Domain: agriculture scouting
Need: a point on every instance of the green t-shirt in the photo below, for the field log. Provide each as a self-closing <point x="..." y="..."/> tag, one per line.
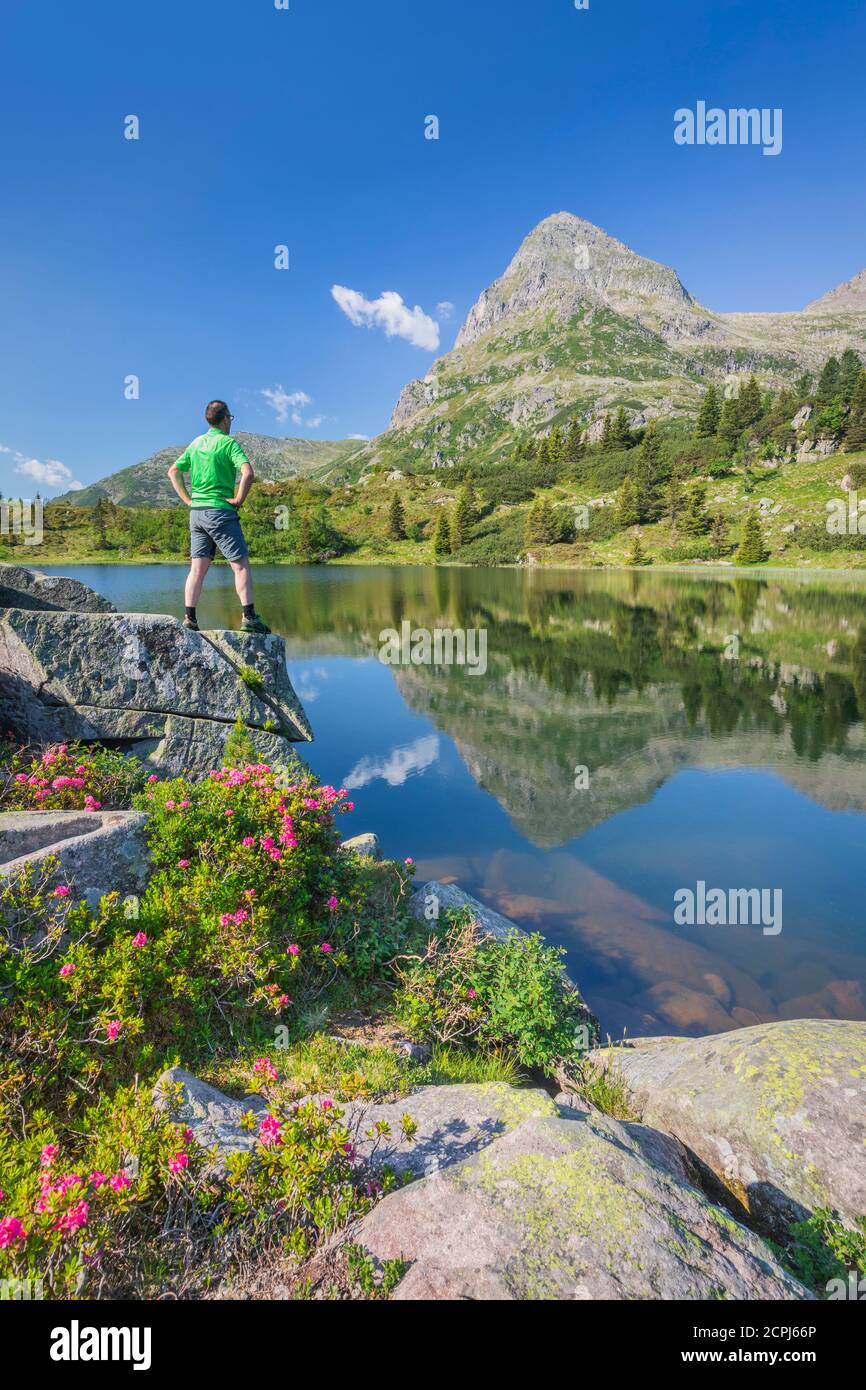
<point x="212" y="462"/>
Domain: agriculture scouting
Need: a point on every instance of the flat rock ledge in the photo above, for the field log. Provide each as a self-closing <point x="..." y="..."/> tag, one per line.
<point x="96" y="852"/>
<point x="777" y="1112"/>
<point x="73" y="668"/>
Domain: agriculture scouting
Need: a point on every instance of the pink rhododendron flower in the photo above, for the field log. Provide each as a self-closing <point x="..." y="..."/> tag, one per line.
<point x="183" y="863"/>
<point x="113" y="1029"/>
<point x="74" y="1219"/>
<point x="91" y="805"/>
<point x="269" y="1130"/>
<point x="332" y="902"/>
<point x="11" y="1229"/>
<point x="266" y="1066"/>
<point x="153" y="777"/>
<point x="248" y="841"/>
<point x="140" y="939"/>
<point x="293" y="950"/>
<point x="118" y="1181"/>
<point x="471" y="994"/>
<point x="62" y="891"/>
<point x="178" y="1162"/>
<point x="67" y="969"/>
<point x="410" y="862"/>
<point x="48" y="1154"/>
<point x="327" y="1105"/>
<point x="282" y="999"/>
<point x="169" y="805"/>
<point x="325" y="948"/>
<point x="98" y="1178"/>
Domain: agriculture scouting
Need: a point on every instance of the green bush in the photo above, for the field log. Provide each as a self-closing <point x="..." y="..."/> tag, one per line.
<point x="500" y="994"/>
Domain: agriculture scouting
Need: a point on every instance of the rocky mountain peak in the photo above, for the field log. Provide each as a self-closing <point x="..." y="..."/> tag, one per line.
<point x="567" y="262"/>
<point x="847" y="298"/>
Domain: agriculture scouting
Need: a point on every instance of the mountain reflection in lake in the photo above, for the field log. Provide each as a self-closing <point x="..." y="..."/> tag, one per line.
<point x="742" y="773"/>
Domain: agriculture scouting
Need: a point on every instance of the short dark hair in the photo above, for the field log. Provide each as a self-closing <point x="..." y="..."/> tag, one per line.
<point x="217" y="413"/>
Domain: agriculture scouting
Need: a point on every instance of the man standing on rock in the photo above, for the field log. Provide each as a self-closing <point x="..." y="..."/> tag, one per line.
<point x="213" y="462"/>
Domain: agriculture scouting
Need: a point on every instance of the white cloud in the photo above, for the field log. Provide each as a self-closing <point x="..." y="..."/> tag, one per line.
<point x="409" y="760"/>
<point x="289" y="406"/>
<point x="48" y="473"/>
<point x="445" y="310"/>
<point x="365" y="437"/>
<point x="389" y="312"/>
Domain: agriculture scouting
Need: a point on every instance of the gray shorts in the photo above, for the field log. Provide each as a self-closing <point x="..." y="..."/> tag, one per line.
<point x="216" y="527"/>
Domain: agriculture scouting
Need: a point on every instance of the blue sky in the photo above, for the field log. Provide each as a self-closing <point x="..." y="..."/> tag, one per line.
<point x="305" y="127"/>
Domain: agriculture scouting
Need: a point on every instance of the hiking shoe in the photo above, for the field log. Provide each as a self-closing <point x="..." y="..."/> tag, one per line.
<point x="191" y="625"/>
<point x="255" y="624"/>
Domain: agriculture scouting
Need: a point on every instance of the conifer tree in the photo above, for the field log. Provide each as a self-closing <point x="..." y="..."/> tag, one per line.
<point x="646" y="475"/>
<point x="606" y="442"/>
<point x="542" y="452"/>
<point x="541" y="524"/>
<point x="442" y="536"/>
<point x="556" y="446"/>
<point x="465" y="516"/>
<point x="752" y="549"/>
<point x="396" y="518"/>
<point x="709" y="413"/>
<point x="719" y="535"/>
<point x="636" y="554"/>
<point x="695" y="519"/>
<point x="574" y="445"/>
<point x="749" y="404"/>
<point x="828" y="384"/>
<point x="850" y="367"/>
<point x="627" y="513"/>
<point x="729" y="422"/>
<point x="620" y="430"/>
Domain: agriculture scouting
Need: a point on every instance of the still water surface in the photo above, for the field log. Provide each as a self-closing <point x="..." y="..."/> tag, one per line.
<point x="741" y="773"/>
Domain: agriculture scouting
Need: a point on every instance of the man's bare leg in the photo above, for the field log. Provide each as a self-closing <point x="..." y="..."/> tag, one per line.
<point x="243" y="581"/>
<point x="194" y="581"/>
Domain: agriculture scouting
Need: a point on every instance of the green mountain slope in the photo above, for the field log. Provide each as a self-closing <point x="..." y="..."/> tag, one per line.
<point x="145" y="484"/>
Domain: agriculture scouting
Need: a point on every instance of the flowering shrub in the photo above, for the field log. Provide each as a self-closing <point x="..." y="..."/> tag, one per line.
<point x="250" y="914"/>
<point x="137" y="1204"/>
<point x="504" y="994"/>
<point x="303" y="1173"/>
<point x="250" y="917"/>
<point x="68" y="777"/>
<point x="77" y="1213"/>
<point x="251" y="854"/>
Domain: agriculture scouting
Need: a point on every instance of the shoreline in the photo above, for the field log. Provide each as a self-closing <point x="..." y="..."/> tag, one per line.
<point x="713" y="571"/>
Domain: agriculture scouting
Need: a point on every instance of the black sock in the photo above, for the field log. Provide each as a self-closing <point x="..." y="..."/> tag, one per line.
<point x="249" y="610"/>
<point x="190" y="613"/>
